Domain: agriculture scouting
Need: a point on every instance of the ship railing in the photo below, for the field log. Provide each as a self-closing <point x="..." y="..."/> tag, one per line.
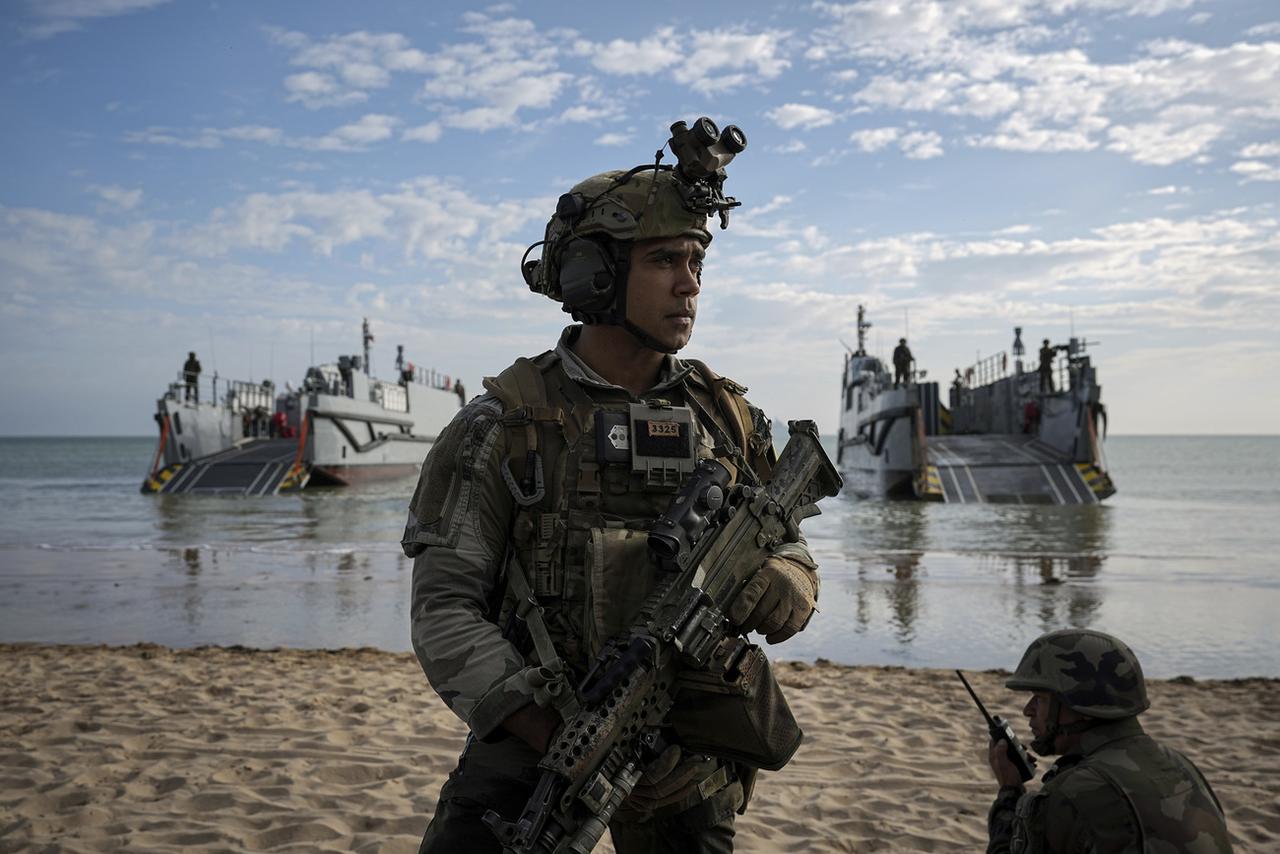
<point x="235" y="395"/>
<point x="429" y="377"/>
<point x="986" y="371"/>
<point x="205" y="389"/>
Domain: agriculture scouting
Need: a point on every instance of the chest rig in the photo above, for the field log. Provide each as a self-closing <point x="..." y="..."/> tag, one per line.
<point x="589" y="471"/>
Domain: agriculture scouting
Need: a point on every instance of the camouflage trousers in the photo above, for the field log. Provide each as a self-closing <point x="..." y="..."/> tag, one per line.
<point x="502" y="775"/>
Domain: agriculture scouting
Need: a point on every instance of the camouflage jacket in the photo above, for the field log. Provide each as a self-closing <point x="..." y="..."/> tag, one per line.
<point x="1121" y="792"/>
<point x="459" y="528"/>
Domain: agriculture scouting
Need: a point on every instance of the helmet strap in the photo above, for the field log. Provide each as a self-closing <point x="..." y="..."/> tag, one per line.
<point x="1044" y="744"/>
<point x="645" y="338"/>
<point x="616" y="314"/>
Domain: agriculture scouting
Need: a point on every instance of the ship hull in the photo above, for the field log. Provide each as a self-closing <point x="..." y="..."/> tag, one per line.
<point x="356" y="475"/>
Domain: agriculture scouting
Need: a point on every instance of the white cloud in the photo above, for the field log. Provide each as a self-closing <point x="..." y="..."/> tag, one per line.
<point x="915" y="144"/>
<point x="707" y="61"/>
<point x="356" y="136"/>
<point x="1261" y="149"/>
<point x="1271" y="28"/>
<point x="481" y="84"/>
<point x="315" y="90"/>
<point x="613" y="139"/>
<point x="1163" y="142"/>
<point x="1019" y="133"/>
<point x="647" y="56"/>
<point x="430" y="132"/>
<point x="1256" y="170"/>
<point x="985" y="60"/>
<point x="424" y="218"/>
<point x="748" y="57"/>
<point x="874" y="139"/>
<point x="806" y="116"/>
<point x="346" y="67"/>
<point x="51" y="17"/>
<point x="588" y="113"/>
<point x="157" y="135"/>
<point x="921" y="145"/>
<point x="118" y="197"/>
<point x="1168" y="190"/>
<point x="794" y="146"/>
<point x="254" y="133"/>
<point x="369" y="129"/>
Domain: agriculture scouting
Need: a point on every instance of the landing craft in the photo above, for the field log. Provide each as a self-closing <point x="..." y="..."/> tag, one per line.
<point x="1004" y="435"/>
<point x="341" y="426"/>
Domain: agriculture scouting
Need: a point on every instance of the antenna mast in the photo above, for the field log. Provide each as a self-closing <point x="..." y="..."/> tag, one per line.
<point x="368" y="339"/>
<point x="863" y="326"/>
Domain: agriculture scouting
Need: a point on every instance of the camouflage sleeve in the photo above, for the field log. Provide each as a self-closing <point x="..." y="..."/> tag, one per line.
<point x="1000" y="819"/>
<point x="456" y="533"/>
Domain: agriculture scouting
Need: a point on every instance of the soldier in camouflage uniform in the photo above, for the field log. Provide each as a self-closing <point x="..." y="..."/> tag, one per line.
<point x="1114" y="788"/>
<point x="533" y="486"/>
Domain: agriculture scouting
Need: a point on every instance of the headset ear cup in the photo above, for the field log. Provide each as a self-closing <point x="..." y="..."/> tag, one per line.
<point x="530" y="273"/>
<point x="587" y="276"/>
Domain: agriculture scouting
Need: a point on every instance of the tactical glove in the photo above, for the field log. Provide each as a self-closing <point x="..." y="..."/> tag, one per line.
<point x="778" y="600"/>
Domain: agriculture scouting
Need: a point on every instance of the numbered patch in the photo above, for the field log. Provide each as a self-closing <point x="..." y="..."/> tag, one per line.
<point x="664" y="428"/>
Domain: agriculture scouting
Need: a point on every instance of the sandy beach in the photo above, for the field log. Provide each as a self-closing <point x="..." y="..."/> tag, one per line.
<point x="145" y="748"/>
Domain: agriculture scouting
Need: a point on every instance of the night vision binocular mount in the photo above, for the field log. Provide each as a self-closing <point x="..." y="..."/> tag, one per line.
<point x="701" y="153"/>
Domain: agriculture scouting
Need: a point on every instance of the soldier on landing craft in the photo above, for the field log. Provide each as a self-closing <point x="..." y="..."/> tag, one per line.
<point x="902" y="360"/>
<point x="1114" y="788"/>
<point x="191" y="377"/>
<point x="1047" y="353"/>
<point x="549" y="482"/>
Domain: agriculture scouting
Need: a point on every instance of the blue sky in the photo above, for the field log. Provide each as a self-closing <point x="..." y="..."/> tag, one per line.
<point x="244" y="178"/>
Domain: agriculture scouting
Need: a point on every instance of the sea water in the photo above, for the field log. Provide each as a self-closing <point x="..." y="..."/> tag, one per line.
<point x="1183" y="563"/>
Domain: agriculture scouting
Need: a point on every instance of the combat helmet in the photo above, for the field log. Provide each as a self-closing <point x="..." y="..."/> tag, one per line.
<point x="1092" y="672"/>
<point x="587" y="243"/>
<point x="1087" y="671"/>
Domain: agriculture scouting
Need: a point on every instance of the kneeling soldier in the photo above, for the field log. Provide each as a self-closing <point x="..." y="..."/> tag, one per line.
<point x="1114" y="788"/>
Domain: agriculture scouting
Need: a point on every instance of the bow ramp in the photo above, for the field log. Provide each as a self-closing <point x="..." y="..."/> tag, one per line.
<point x="254" y="467"/>
<point x="1008" y="469"/>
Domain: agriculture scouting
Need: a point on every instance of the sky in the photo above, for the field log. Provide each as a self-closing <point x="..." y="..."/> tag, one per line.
<point x="250" y="180"/>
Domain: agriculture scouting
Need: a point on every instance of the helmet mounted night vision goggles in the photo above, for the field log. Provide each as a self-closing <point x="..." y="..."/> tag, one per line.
<point x="586" y="249"/>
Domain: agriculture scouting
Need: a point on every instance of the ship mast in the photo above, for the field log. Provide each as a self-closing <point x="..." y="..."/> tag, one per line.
<point x="863" y="326"/>
<point x="368" y="339"/>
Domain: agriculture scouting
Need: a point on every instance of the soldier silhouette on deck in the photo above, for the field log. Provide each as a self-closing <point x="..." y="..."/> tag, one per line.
<point x="1047" y="353"/>
<point x="191" y="375"/>
<point x="902" y="360"/>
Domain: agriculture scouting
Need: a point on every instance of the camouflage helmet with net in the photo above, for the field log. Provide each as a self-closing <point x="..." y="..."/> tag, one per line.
<point x="615" y="209"/>
<point x="1093" y="673"/>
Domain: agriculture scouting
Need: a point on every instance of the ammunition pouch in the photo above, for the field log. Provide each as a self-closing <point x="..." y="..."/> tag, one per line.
<point x="741" y="716"/>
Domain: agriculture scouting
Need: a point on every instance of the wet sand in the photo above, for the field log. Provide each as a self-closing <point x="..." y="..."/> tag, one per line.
<point x="148" y="748"/>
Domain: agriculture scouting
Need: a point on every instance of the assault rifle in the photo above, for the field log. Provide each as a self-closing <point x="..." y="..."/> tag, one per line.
<point x="711" y="540"/>
<point x="1000" y="730"/>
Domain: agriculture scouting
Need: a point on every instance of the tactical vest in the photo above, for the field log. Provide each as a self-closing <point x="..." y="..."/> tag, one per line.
<point x="585" y="495"/>
<point x="1174" y="807"/>
<point x="1170" y="805"/>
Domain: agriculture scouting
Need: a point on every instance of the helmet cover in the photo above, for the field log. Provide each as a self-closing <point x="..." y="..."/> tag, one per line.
<point x="1093" y="673"/>
<point x="615" y="206"/>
